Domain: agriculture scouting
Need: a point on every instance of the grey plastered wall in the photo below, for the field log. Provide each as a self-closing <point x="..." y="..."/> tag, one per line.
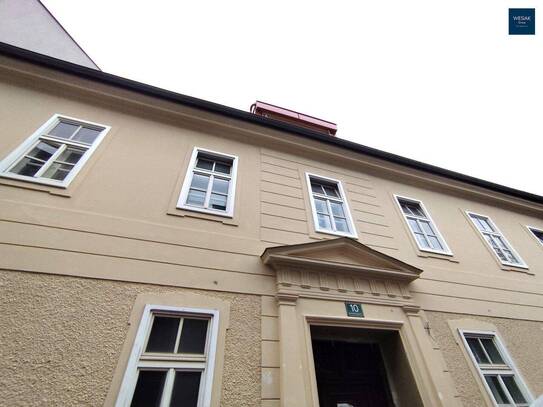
<point x="62" y="337"/>
<point x="522" y="339"/>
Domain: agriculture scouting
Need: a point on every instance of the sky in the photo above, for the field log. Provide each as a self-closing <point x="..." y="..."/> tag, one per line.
<point x="437" y="81"/>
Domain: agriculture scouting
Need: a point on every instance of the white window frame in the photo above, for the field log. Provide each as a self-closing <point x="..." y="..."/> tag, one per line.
<point x="497" y="231"/>
<point x="508" y="369"/>
<point x="533" y="231"/>
<point x="230" y="200"/>
<point x="343" y="196"/>
<point x="26" y="146"/>
<point x="446" y="250"/>
<point x="128" y="384"/>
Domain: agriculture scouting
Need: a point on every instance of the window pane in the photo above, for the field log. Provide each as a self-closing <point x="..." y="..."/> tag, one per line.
<point x="427" y="228"/>
<point x="222" y="167"/>
<point x="324" y="221"/>
<point x="86" y="135"/>
<point x="71" y="155"/>
<point x="204" y="164"/>
<point x="514" y="391"/>
<point x="422" y="241"/>
<point x="538" y="234"/>
<point x="63" y="130"/>
<point x="196" y="198"/>
<point x="57" y="171"/>
<point x="483" y="224"/>
<point x="337" y="209"/>
<point x="435" y="243"/>
<point x="220" y="186"/>
<point x="185" y="389"/>
<point x="193" y="336"/>
<point x="477" y="351"/>
<point x="411" y="208"/>
<point x="510" y="257"/>
<point x="316" y="187"/>
<point x="492" y="351"/>
<point x="163" y="335"/>
<point x="331" y="190"/>
<point x="414" y="225"/>
<point x="496" y="389"/>
<point x="200" y="181"/>
<point x="341" y="225"/>
<point x="149" y="387"/>
<point x="218" y="202"/>
<point x="43" y="151"/>
<point x="321" y="206"/>
<point x="27" y="166"/>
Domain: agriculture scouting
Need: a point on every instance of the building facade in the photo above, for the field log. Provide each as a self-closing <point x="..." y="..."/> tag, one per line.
<point x="162" y="250"/>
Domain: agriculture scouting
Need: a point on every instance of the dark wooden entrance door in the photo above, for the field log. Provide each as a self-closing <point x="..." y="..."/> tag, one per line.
<point x="350" y="373"/>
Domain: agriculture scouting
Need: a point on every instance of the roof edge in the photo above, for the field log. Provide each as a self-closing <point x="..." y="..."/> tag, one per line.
<point x="200" y="104"/>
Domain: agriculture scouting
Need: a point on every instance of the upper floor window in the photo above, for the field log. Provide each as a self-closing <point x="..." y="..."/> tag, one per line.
<point x="538" y="233"/>
<point x="330" y="210"/>
<point x="55" y="153"/>
<point x="210" y="183"/>
<point x="172" y="359"/>
<point x="496" y="369"/>
<point x="422" y="226"/>
<point x="496" y="241"/>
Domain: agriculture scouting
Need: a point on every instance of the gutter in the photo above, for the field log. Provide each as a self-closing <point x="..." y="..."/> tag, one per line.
<point x="200" y="104"/>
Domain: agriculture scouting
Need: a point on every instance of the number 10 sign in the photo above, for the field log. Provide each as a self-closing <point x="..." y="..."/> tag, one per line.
<point x="354" y="309"/>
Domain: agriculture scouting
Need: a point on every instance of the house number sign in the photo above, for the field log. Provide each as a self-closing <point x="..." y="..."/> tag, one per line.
<point x="354" y="309"/>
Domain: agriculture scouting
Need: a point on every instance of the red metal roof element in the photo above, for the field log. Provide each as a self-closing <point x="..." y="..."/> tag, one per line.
<point x="290" y="116"/>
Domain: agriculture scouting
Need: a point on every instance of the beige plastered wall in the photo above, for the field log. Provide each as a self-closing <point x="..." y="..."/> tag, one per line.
<point x="62" y="337"/>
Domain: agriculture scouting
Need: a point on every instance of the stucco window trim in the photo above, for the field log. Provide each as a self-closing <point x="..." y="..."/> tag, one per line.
<point x="40" y="134"/>
<point x="231" y="198"/>
<point x="446" y="250"/>
<point x="129" y="380"/>
<point x="351" y="225"/>
<point x="505" y="355"/>
<point x="533" y="230"/>
<point x="521" y="266"/>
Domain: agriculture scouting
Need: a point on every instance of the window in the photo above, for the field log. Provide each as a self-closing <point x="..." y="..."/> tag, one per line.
<point x="496" y="241"/>
<point x="422" y="226"/>
<point x="496" y="369"/>
<point x="330" y="210"/>
<point x="172" y="359"/>
<point x="538" y="233"/>
<point x="55" y="153"/>
<point x="210" y="183"/>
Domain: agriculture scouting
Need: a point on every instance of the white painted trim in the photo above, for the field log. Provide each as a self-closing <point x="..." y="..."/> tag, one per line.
<point x="230" y="200"/>
<point x="447" y="250"/>
<point x="532" y="229"/>
<point x="12" y="158"/>
<point x="505" y="355"/>
<point x="128" y="383"/>
<point x="348" y="215"/>
<point x="522" y="263"/>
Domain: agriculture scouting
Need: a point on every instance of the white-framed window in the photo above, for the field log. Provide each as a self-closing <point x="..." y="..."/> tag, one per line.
<point x="538" y="233"/>
<point x="172" y="359"/>
<point x="329" y="206"/>
<point x="422" y="226"/>
<point x="55" y="153"/>
<point x="496" y="368"/>
<point x="210" y="183"/>
<point x="496" y="240"/>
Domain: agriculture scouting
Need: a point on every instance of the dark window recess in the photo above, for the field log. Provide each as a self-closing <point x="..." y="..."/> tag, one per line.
<point x="193" y="336"/>
<point x="148" y="388"/>
<point x="163" y="335"/>
<point x="185" y="389"/>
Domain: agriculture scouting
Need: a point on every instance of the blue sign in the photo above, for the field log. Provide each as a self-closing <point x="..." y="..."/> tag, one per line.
<point x="354" y="309"/>
<point x="522" y="21"/>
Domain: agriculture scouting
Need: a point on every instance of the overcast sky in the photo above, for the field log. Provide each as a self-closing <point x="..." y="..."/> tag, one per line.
<point x="437" y="81"/>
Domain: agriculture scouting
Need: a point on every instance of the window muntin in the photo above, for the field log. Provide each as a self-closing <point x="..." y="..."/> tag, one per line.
<point x="330" y="209"/>
<point x="496" y="369"/>
<point x="422" y="226"/>
<point x="172" y="359"/>
<point x="538" y="234"/>
<point x="496" y="241"/>
<point x="54" y="153"/>
<point x="210" y="183"/>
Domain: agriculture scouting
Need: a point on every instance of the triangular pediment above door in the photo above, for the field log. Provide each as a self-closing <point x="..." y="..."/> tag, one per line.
<point x="337" y="256"/>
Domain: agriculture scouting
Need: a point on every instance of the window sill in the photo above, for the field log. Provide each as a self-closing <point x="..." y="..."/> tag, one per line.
<point x="192" y="213"/>
<point x="437" y="255"/>
<point x="329" y="232"/>
<point x="35" y="185"/>
<point x="518" y="269"/>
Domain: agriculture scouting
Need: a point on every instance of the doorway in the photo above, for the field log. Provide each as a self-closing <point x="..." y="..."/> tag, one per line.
<point x="361" y="368"/>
